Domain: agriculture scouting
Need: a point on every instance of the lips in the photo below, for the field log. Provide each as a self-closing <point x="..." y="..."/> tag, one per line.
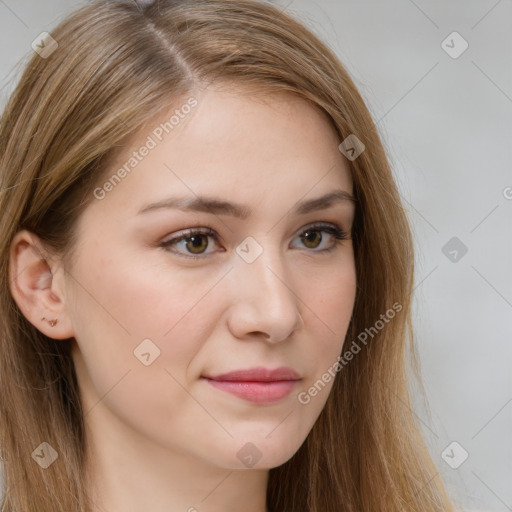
<point x="259" y="374"/>
<point x="259" y="385"/>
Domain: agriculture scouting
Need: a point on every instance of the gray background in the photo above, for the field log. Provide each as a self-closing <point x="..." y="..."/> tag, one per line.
<point x="447" y="124"/>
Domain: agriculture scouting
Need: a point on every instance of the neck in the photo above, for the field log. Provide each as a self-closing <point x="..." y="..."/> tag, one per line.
<point x="143" y="475"/>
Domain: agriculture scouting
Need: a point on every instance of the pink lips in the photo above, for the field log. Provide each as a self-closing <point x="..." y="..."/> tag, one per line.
<point x="259" y="385"/>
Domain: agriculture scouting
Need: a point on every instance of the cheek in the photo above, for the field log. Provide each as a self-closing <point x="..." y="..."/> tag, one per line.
<point x="333" y="309"/>
<point x="335" y="297"/>
<point x="120" y="309"/>
<point x="146" y="299"/>
<point x="175" y="310"/>
<point x="336" y="303"/>
<point x="329" y="312"/>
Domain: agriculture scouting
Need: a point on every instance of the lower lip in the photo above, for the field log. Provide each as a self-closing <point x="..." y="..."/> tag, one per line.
<point x="258" y="392"/>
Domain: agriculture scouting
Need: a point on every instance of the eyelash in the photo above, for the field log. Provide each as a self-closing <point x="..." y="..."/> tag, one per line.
<point x="333" y="229"/>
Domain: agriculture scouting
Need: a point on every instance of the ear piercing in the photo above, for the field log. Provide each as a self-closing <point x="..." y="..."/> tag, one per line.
<point x="52" y="322"/>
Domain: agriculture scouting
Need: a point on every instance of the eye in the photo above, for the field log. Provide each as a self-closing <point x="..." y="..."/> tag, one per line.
<point x="194" y="242"/>
<point x="312" y="236"/>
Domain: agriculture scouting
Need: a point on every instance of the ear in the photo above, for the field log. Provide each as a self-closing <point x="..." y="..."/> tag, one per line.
<point x="36" y="282"/>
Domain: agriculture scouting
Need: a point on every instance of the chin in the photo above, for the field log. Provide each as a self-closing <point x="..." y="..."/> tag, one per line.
<point x="260" y="452"/>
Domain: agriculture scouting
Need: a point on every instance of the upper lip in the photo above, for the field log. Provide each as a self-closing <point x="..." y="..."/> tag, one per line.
<point x="259" y="374"/>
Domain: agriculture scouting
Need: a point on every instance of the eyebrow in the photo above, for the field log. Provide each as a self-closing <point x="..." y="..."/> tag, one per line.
<point x="220" y="207"/>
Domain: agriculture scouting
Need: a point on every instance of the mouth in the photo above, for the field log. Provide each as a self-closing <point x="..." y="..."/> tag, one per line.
<point x="258" y="385"/>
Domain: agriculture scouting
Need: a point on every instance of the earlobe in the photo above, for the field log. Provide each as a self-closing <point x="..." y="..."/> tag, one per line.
<point x="34" y="286"/>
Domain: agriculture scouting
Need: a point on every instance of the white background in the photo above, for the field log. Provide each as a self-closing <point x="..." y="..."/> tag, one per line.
<point x="447" y="125"/>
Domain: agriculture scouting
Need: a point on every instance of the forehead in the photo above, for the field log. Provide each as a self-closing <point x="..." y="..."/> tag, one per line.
<point x="231" y="142"/>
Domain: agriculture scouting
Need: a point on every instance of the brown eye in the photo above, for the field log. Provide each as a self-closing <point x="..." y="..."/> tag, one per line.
<point x="191" y="244"/>
<point x="311" y="238"/>
<point x="196" y="244"/>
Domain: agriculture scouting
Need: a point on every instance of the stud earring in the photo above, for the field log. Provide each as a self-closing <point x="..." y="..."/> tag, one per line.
<point x="52" y="322"/>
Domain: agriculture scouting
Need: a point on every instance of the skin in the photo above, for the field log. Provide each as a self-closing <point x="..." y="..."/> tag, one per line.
<point x="160" y="436"/>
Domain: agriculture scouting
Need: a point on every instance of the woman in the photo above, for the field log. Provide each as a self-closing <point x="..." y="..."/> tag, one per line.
<point x="207" y="274"/>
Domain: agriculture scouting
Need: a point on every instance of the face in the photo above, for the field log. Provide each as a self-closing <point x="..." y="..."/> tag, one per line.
<point x="165" y="301"/>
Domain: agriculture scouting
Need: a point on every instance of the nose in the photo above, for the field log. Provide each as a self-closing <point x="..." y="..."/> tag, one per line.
<point x="264" y="302"/>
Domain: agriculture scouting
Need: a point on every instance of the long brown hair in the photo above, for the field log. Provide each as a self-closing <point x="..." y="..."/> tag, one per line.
<point x="117" y="64"/>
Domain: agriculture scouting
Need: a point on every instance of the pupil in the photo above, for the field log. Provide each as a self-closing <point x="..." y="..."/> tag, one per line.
<point x="196" y="241"/>
<point x="311" y="235"/>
